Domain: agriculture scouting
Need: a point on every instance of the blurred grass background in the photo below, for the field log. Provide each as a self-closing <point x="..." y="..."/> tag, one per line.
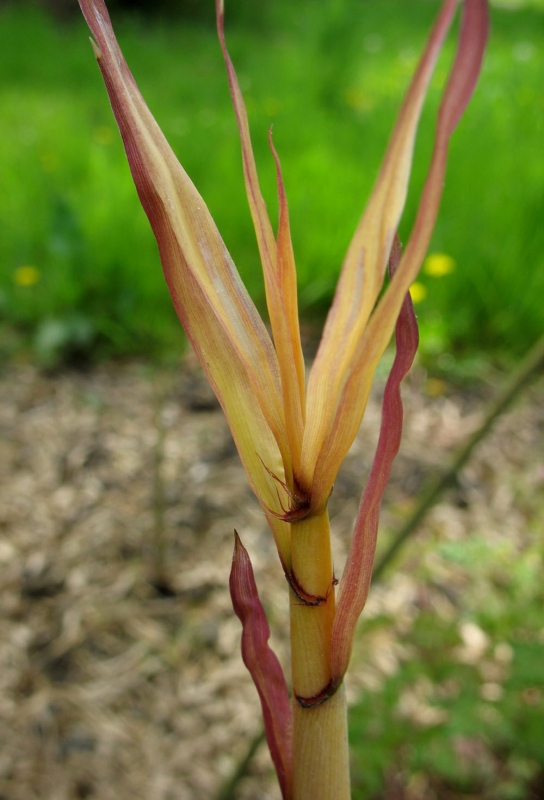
<point x="79" y="272"/>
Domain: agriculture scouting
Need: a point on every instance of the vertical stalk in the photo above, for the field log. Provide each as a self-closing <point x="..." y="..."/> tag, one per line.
<point x="320" y="740"/>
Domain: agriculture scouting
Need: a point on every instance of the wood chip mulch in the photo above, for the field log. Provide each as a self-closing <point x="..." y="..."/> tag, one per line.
<point x="120" y="671"/>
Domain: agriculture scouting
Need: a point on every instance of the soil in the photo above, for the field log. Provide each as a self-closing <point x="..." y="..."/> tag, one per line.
<point x="120" y="670"/>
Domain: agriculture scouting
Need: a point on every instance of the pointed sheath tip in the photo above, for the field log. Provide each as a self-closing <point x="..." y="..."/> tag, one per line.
<point x="96" y="50"/>
<point x="263" y="665"/>
<point x="240" y="556"/>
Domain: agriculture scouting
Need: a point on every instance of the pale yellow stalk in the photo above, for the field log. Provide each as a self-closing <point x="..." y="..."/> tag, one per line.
<point x="320" y="739"/>
<point x="320" y="751"/>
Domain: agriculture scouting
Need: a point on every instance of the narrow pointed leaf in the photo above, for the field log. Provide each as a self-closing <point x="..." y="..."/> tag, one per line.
<point x="355" y="583"/>
<point x="287" y="332"/>
<point x="263" y="665"/>
<point x="218" y="315"/>
<point x="263" y="229"/>
<point x="364" y="266"/>
<point x="335" y="431"/>
<point x="278" y="268"/>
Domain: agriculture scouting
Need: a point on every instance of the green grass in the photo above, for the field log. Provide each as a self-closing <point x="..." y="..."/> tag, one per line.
<point x="331" y="84"/>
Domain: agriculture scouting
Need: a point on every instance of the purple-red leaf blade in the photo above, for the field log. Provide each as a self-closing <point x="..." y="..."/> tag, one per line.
<point x="355" y="582"/>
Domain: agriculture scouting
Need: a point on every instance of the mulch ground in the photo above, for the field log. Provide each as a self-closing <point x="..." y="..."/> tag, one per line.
<point x="120" y="672"/>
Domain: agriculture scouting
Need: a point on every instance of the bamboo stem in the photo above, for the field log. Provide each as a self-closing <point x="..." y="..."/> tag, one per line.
<point x="320" y="740"/>
<point x="320" y="751"/>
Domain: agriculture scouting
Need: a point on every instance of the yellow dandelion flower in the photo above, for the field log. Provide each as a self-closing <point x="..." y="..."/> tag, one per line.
<point x="418" y="292"/>
<point x="438" y="264"/>
<point x="26" y="276"/>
